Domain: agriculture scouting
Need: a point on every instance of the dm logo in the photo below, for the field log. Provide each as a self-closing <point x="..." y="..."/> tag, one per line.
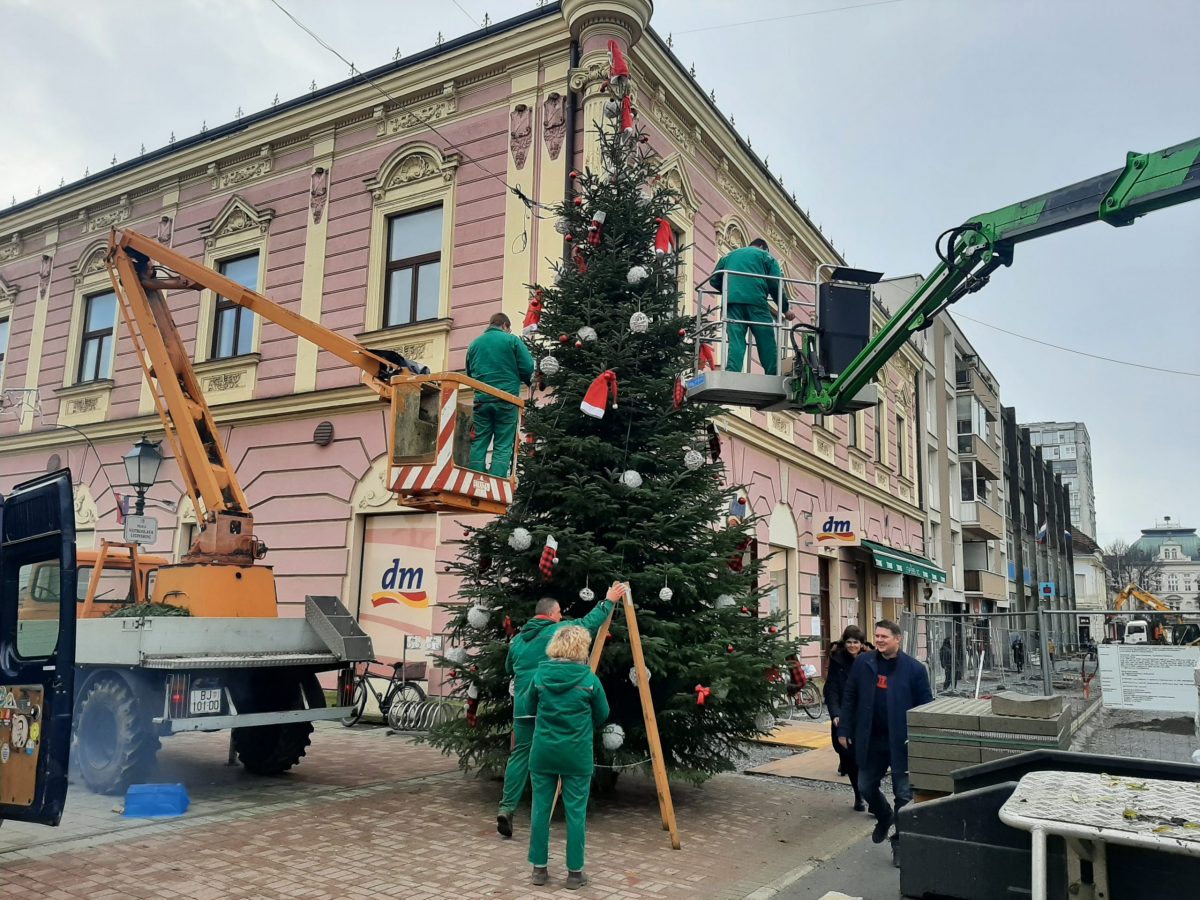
<point x="835" y="529"/>
<point x="402" y="585"/>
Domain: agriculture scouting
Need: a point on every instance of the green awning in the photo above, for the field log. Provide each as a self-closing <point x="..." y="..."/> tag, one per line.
<point x="892" y="560"/>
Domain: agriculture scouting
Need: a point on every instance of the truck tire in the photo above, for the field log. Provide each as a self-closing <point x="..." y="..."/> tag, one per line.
<point x="273" y="749"/>
<point x="114" y="744"/>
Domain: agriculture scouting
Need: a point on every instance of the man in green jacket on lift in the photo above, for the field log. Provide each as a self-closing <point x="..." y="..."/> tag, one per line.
<point x="501" y="360"/>
<point x="748" y="301"/>
<point x="526" y="653"/>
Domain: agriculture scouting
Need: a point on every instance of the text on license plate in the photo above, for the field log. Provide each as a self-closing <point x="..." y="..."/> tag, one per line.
<point x="205" y="700"/>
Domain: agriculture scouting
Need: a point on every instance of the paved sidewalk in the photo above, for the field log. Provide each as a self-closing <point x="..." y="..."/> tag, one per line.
<point x="372" y="815"/>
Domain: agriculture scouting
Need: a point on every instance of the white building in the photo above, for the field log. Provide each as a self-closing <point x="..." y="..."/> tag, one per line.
<point x="1068" y="448"/>
<point x="1091" y="584"/>
<point x="1176" y="551"/>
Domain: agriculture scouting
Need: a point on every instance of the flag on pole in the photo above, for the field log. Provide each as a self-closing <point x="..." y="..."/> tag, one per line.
<point x="1043" y="533"/>
<point x="122" y="507"/>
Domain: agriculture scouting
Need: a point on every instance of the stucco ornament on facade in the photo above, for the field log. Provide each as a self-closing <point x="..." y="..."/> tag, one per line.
<point x="166" y="227"/>
<point x="686" y="139"/>
<point x="412" y="164"/>
<point x="416" y="116"/>
<point x="372" y="491"/>
<point x="742" y="197"/>
<point x="237" y="216"/>
<point x="731" y="235"/>
<point x="318" y="192"/>
<point x="554" y="123"/>
<point x="520" y="134"/>
<point x="85" y="507"/>
<point x="44" y="271"/>
<point x="90" y="262"/>
<point x="11" y="248"/>
<point x="8" y="292"/>
<point x="103" y="221"/>
<point x="240" y="173"/>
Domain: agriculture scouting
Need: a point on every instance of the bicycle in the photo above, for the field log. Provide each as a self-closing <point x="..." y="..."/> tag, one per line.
<point x="802" y="691"/>
<point x="401" y="693"/>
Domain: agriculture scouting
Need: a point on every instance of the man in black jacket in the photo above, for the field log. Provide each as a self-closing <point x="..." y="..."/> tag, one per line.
<point x="883" y="686"/>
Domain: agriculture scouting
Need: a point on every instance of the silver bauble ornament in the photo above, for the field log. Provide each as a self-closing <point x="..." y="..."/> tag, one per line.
<point x="639" y="323"/>
<point x="478" y="617"/>
<point x="520" y="539"/>
<point x="612" y="109"/>
<point x="637" y="275"/>
<point x="666" y="594"/>
<point x="764" y="723"/>
<point x="562" y="226"/>
<point x="587" y="595"/>
<point x="692" y="460"/>
<point x="586" y="333"/>
<point x="725" y="600"/>
<point x="512" y="687"/>
<point x="612" y="736"/>
<point x="633" y="674"/>
<point x="549" y="366"/>
<point x="631" y="479"/>
<point x="457" y="655"/>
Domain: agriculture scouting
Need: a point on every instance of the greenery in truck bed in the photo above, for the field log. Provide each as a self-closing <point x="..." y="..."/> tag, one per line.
<point x="138" y="610"/>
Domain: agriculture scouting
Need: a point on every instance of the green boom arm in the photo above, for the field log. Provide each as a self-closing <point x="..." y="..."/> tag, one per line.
<point x="981" y="245"/>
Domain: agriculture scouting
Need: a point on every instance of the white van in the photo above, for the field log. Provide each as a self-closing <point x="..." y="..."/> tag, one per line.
<point x="1137" y="632"/>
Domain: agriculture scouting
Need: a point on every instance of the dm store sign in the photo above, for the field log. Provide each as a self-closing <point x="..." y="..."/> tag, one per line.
<point x="838" y="529"/>
<point x="399" y="587"/>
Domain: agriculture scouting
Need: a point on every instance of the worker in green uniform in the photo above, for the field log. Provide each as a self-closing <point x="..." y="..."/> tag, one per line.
<point x="526" y="653"/>
<point x="501" y="360"/>
<point x="748" y="301"/>
<point x="569" y="705"/>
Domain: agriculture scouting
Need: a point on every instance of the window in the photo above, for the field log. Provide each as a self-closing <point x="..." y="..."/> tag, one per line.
<point x="852" y="429"/>
<point x="1172" y="582"/>
<point x="3" y="345"/>
<point x="233" y="325"/>
<point x="879" y="435"/>
<point x="95" y="354"/>
<point x="37" y="608"/>
<point x="414" y="262"/>
<point x="901" y="446"/>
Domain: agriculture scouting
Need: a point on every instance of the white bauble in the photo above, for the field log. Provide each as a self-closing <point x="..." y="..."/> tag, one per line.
<point x="512" y="687"/>
<point x="478" y="617"/>
<point x="457" y="655"/>
<point x="473" y="691"/>
<point x="637" y="275"/>
<point x="666" y="594"/>
<point x="549" y="366"/>
<point x="631" y="479"/>
<point x="764" y="723"/>
<point x="639" y="323"/>
<point x="587" y="333"/>
<point x="633" y="674"/>
<point x="612" y="736"/>
<point x="692" y="460"/>
<point x="725" y="600"/>
<point x="520" y="539"/>
<point x="612" y="109"/>
<point x="587" y="595"/>
<point x="562" y="226"/>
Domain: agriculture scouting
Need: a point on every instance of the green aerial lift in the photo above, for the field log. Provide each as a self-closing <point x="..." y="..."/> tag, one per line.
<point x="836" y="360"/>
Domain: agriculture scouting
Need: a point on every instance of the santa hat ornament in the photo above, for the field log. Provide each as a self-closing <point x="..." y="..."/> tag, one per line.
<point x="619" y="82"/>
<point x="627" y="117"/>
<point x="664" y="238"/>
<point x="596" y="227"/>
<point x="534" y="314"/>
<point x="579" y="259"/>
<point x="595" y="400"/>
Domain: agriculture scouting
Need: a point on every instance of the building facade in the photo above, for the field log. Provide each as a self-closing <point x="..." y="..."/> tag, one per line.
<point x="346" y="206"/>
<point x="1068" y="448"/>
<point x="1091" y="584"/>
<point x="1041" y="562"/>
<point x="1172" y="554"/>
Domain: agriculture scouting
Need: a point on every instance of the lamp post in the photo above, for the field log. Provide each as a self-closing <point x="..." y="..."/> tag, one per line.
<point x="141" y="468"/>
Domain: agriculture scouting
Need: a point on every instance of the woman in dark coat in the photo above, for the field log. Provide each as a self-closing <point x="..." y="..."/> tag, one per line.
<point x="841" y="658"/>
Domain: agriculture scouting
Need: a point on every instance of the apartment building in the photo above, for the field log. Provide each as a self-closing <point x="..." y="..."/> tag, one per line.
<point x="1067" y="446"/>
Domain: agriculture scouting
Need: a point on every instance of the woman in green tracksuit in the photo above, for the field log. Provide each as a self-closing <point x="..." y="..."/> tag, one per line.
<point x="569" y="704"/>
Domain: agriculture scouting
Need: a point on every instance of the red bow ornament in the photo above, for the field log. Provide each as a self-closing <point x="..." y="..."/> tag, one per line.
<point x="533" y="316"/>
<point x="702" y="694"/>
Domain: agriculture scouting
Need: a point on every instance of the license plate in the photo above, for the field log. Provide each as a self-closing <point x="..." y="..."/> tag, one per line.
<point x="205" y="701"/>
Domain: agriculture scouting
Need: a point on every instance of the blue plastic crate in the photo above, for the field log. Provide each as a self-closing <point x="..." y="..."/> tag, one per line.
<point x="156" y="801"/>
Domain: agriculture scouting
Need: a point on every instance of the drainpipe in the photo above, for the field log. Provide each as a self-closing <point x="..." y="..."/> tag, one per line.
<point x="569" y="149"/>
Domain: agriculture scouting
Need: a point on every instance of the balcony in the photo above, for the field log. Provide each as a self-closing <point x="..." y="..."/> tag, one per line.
<point x="969" y="381"/>
<point x="980" y="522"/>
<point x="972" y="446"/>
<point x="987" y="585"/>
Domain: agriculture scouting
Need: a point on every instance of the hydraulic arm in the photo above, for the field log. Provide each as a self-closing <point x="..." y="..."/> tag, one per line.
<point x="971" y="252"/>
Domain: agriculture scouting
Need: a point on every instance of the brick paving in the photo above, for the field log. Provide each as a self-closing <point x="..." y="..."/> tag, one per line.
<point x="373" y="815"/>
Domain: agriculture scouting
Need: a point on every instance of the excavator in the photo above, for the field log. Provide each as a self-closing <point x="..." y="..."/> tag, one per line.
<point x="109" y="687"/>
<point x="1155" y="626"/>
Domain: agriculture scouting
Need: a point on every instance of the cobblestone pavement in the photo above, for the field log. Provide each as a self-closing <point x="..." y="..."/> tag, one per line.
<point x="373" y="815"/>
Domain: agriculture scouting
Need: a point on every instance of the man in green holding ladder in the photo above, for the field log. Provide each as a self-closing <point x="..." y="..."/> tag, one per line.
<point x="749" y="298"/>
<point x="501" y="360"/>
<point x="526" y="653"/>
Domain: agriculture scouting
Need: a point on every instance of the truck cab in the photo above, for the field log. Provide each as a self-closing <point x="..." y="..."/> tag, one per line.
<point x="1137" y="632"/>
<point x="124" y="578"/>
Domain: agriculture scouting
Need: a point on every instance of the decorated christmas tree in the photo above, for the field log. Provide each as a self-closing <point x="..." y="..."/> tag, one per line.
<point x="619" y="479"/>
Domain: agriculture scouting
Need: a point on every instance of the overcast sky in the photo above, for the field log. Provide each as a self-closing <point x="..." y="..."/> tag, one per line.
<point x="892" y="122"/>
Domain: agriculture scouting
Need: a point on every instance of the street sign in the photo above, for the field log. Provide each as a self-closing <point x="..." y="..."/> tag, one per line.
<point x="1046" y="590"/>
<point x="141" y="530"/>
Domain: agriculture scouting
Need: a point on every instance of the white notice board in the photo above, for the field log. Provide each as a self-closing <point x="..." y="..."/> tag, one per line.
<point x="1149" y="677"/>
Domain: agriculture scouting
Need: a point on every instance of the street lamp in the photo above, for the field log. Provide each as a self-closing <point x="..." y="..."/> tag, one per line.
<point x="141" y="468"/>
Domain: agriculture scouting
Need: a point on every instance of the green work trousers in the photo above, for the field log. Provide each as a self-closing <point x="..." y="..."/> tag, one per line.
<point x="575" y="790"/>
<point x="516" y="773"/>
<point x="764" y="337"/>
<point x="496" y="425"/>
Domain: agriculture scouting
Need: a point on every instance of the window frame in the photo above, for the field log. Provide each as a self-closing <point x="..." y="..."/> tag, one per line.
<point x="243" y="318"/>
<point x="86" y="337"/>
<point x="410" y="262"/>
<point x="6" y="328"/>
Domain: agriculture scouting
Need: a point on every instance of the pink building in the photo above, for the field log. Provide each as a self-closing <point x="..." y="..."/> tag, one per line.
<point x="393" y="221"/>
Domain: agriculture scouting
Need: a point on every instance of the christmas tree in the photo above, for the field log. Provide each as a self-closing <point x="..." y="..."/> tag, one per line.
<point x="626" y="481"/>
